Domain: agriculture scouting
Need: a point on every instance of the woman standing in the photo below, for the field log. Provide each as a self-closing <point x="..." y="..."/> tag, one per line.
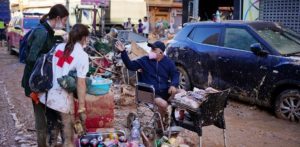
<point x="40" y="42"/>
<point x="67" y="57"/>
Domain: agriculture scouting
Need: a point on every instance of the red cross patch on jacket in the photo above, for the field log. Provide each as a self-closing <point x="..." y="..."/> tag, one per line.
<point x="62" y="59"/>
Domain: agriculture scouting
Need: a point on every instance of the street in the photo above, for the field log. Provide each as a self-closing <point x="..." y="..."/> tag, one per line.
<point x="247" y="125"/>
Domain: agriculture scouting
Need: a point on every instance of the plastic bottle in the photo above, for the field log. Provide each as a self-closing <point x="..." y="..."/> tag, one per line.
<point x="94" y="142"/>
<point x="84" y="142"/>
<point x="135" y="131"/>
<point x="218" y="16"/>
<point x="161" y="141"/>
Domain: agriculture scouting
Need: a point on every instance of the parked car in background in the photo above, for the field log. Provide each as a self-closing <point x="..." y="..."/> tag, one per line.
<point x="259" y="61"/>
<point x="18" y="27"/>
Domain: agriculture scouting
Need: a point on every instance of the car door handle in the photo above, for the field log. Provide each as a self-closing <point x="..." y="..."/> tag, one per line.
<point x="225" y="60"/>
<point x="263" y="67"/>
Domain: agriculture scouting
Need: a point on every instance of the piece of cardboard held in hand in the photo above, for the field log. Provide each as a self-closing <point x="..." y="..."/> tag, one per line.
<point x="99" y="111"/>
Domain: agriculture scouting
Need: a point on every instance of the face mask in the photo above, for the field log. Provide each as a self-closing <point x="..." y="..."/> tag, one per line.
<point x="84" y="45"/>
<point x="59" y="25"/>
<point x="152" y="55"/>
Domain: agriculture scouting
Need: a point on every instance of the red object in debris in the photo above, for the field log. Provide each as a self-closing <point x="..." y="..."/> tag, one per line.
<point x="104" y="63"/>
<point x="99" y="111"/>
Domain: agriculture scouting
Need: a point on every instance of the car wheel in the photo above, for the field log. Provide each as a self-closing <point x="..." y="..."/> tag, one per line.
<point x="287" y="105"/>
<point x="184" y="80"/>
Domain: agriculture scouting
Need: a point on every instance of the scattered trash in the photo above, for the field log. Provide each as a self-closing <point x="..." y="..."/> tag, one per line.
<point x="194" y="98"/>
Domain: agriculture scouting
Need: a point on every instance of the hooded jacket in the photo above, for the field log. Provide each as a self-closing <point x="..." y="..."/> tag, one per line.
<point x="161" y="74"/>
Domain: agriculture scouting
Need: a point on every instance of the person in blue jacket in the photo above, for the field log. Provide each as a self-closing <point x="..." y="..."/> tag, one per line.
<point x="157" y="70"/>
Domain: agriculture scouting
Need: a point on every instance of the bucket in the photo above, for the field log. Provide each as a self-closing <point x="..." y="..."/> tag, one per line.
<point x="99" y="86"/>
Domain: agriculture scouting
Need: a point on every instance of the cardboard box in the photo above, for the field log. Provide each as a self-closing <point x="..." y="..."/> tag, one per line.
<point x="99" y="111"/>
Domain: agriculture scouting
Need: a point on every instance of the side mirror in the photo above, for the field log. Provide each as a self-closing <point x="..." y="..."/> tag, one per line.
<point x="257" y="49"/>
<point x="17" y="27"/>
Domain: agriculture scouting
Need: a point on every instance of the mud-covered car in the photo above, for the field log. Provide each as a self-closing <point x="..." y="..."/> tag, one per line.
<point x="259" y="61"/>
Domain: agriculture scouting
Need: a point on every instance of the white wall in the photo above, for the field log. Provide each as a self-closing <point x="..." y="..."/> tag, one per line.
<point x="122" y="9"/>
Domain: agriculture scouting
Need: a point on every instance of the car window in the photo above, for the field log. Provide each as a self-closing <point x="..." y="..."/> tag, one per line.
<point x="205" y="35"/>
<point x="18" y="22"/>
<point x="238" y="38"/>
<point x="281" y="39"/>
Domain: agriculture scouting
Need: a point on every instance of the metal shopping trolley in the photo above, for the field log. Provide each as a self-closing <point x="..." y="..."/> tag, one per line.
<point x="210" y="112"/>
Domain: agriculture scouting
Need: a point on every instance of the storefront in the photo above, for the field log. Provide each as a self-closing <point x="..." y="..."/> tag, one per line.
<point x="230" y="9"/>
<point x="165" y="11"/>
<point x="282" y="11"/>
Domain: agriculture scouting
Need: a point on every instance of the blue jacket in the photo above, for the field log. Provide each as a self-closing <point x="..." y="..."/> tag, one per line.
<point x="162" y="74"/>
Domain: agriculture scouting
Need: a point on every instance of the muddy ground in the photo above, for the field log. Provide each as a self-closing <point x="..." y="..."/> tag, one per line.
<point x="247" y="126"/>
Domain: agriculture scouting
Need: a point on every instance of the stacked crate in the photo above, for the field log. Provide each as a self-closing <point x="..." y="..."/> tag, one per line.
<point x="99" y="112"/>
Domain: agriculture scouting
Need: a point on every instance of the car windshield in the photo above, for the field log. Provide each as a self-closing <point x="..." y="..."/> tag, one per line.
<point x="31" y="22"/>
<point x="285" y="41"/>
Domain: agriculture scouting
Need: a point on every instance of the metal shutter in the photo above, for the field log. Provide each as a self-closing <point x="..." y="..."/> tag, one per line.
<point x="286" y="12"/>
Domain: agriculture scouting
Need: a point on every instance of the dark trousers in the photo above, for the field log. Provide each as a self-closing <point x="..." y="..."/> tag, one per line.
<point x="2" y="34"/>
<point x="40" y="123"/>
<point x="59" y="123"/>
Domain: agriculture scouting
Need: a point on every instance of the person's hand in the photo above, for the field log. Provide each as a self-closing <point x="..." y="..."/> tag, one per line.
<point x="82" y="117"/>
<point x="172" y="90"/>
<point x="120" y="46"/>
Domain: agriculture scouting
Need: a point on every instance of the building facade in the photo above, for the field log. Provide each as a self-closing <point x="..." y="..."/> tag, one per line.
<point x="286" y="12"/>
<point x="165" y="10"/>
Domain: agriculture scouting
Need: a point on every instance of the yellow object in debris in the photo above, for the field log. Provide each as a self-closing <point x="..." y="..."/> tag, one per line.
<point x="172" y="141"/>
<point x="165" y="145"/>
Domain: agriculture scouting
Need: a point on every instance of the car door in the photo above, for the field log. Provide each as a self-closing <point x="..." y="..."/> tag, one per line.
<point x="16" y="31"/>
<point x="19" y="32"/>
<point x="204" y="41"/>
<point x="240" y="69"/>
<point x="10" y="30"/>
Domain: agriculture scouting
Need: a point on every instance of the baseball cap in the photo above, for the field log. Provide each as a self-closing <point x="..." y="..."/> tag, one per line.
<point x="157" y="44"/>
